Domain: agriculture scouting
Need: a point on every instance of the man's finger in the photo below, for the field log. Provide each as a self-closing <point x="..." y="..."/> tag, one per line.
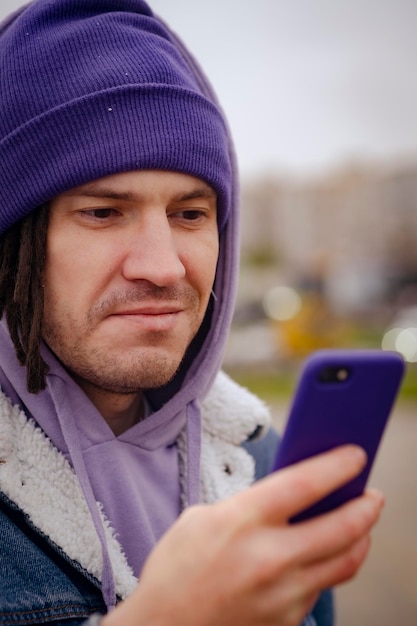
<point x="330" y="534"/>
<point x="359" y="516"/>
<point x="339" y="569"/>
<point x="285" y="493"/>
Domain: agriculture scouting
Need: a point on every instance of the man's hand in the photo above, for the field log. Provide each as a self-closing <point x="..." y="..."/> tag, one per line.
<point x="240" y="563"/>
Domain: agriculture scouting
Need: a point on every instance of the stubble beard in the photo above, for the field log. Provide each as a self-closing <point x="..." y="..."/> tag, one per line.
<point x="136" y="369"/>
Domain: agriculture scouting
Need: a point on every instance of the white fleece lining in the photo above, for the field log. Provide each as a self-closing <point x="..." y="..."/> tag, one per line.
<point x="41" y="482"/>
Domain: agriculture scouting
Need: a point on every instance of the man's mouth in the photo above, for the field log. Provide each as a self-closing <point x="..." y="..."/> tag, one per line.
<point x="152" y="318"/>
<point x="152" y="309"/>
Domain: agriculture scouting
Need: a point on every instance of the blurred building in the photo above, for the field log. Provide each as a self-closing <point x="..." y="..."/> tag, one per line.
<point x="352" y="233"/>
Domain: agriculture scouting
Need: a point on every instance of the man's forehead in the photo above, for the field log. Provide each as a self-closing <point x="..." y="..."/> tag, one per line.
<point x="130" y="185"/>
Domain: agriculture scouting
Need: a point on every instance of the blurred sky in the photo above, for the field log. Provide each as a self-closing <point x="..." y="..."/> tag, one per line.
<point x="306" y="84"/>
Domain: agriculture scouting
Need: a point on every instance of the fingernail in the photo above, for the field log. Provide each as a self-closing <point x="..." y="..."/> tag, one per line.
<point x="377" y="495"/>
<point x="358" y="454"/>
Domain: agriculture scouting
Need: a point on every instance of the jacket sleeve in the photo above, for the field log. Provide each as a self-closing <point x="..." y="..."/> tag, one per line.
<point x="93" y="620"/>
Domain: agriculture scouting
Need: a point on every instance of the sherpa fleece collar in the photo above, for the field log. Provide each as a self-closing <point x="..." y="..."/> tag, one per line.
<point x="41" y="482"/>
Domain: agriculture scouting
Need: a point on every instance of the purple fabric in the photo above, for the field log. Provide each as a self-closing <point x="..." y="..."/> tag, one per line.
<point x="91" y="88"/>
<point x="72" y="138"/>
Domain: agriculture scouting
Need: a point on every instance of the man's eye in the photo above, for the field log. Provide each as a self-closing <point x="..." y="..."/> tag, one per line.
<point x="192" y="215"/>
<point x="101" y="214"/>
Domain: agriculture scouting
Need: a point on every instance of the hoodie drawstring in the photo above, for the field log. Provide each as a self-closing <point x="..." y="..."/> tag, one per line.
<point x="193" y="433"/>
<point x="70" y="434"/>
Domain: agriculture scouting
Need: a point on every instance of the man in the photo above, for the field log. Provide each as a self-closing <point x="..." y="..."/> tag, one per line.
<point x="119" y="224"/>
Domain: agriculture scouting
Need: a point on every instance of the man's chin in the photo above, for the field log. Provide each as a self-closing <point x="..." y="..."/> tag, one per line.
<point x="128" y="381"/>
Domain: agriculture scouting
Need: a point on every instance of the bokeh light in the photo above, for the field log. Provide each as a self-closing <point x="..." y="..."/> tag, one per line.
<point x="402" y="340"/>
<point x="281" y="303"/>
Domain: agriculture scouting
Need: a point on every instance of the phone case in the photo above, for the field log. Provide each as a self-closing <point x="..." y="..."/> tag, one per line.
<point x="342" y="397"/>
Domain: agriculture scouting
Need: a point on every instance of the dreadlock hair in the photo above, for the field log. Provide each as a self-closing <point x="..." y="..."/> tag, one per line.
<point x="22" y="260"/>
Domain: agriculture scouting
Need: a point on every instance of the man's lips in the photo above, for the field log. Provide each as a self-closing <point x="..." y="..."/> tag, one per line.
<point x="152" y="310"/>
<point x="150" y="318"/>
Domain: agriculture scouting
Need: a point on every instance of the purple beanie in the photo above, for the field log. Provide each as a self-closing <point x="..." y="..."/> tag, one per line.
<point x="92" y="88"/>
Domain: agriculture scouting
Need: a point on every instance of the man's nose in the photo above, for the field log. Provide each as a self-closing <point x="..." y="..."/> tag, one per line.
<point x="153" y="254"/>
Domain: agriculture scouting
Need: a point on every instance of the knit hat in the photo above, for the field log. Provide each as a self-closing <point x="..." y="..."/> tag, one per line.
<point x="92" y="88"/>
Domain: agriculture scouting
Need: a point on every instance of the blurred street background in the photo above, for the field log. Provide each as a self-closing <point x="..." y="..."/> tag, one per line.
<point x="321" y="97"/>
<point x="350" y="281"/>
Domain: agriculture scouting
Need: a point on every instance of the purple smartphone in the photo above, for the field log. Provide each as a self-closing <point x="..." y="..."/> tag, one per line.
<point x="343" y="396"/>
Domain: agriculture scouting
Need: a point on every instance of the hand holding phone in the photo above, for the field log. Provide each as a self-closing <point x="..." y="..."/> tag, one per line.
<point x="343" y="397"/>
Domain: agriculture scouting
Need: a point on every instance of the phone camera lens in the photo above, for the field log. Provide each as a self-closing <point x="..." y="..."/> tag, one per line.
<point x="342" y="374"/>
<point x="334" y="374"/>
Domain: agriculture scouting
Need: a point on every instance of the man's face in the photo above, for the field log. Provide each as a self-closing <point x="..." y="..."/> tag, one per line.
<point x="130" y="265"/>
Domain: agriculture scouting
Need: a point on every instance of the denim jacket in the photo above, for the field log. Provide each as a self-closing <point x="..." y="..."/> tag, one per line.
<point x="41" y="583"/>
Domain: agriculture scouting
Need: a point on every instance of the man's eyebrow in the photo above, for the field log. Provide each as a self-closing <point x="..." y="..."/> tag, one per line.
<point x="99" y="191"/>
<point x="199" y="192"/>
